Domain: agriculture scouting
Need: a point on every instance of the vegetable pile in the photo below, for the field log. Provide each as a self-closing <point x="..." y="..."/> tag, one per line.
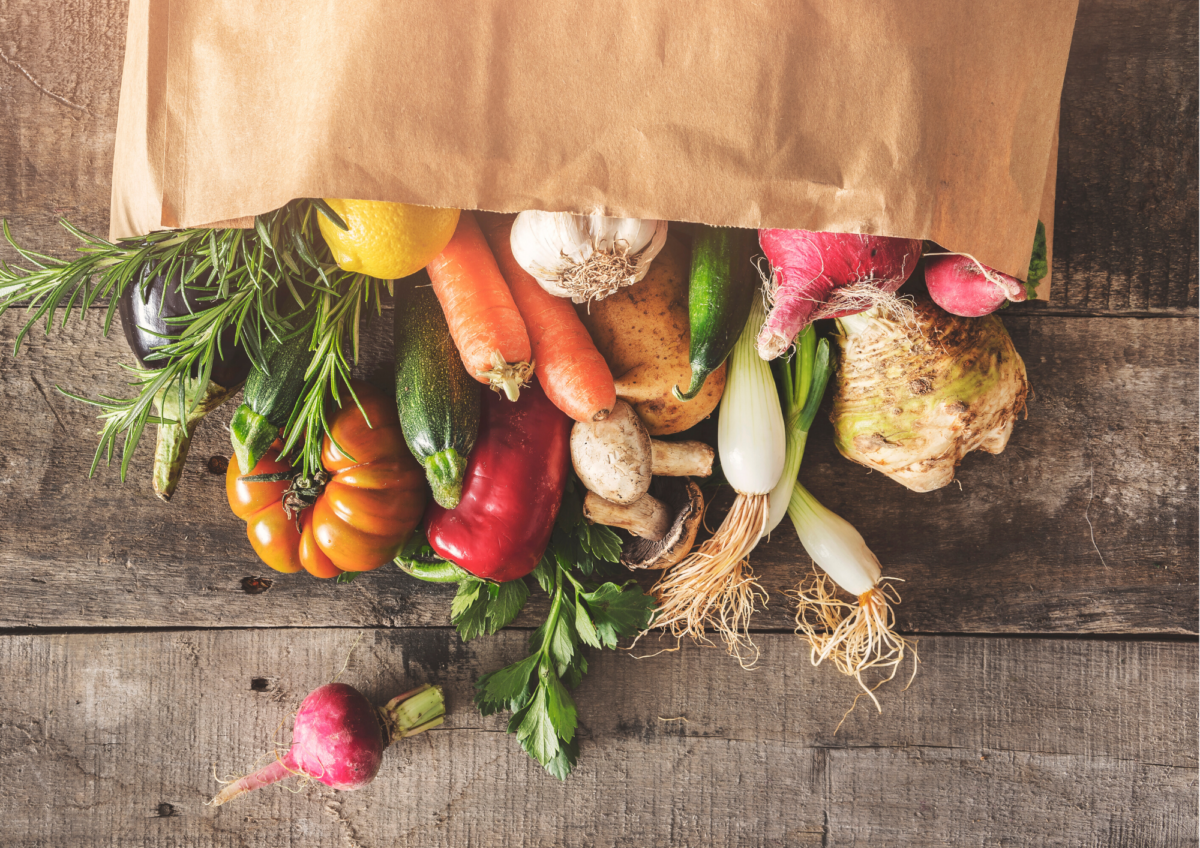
<point x="540" y="359"/>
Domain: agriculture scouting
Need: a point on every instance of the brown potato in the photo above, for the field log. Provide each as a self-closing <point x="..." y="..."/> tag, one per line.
<point x="642" y="331"/>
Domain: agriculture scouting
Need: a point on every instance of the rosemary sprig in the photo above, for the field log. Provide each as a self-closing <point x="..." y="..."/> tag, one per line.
<point x="189" y="361"/>
<point x="52" y="285"/>
<point x="236" y="277"/>
<point x="336" y="326"/>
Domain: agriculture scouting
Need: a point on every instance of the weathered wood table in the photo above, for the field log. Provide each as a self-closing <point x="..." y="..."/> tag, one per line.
<point x="1054" y="593"/>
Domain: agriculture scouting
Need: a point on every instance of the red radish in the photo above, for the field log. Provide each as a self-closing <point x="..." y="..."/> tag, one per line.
<point x="963" y="286"/>
<point x="828" y="275"/>
<point x="339" y="737"/>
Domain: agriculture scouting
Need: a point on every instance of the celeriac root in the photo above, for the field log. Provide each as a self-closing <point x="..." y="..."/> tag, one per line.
<point x="714" y="585"/>
<point x="855" y="637"/>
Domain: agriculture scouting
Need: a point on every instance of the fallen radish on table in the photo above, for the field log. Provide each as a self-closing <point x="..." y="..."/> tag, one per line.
<point x="339" y="737"/>
<point x="714" y="586"/>
<point x="828" y="275"/>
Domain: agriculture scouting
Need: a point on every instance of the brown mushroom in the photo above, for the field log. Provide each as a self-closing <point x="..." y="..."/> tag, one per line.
<point x="616" y="458"/>
<point x="686" y="503"/>
<point x="663" y="524"/>
<point x="647" y="517"/>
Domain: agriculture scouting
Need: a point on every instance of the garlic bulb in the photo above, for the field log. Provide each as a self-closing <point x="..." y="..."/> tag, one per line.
<point x="585" y="257"/>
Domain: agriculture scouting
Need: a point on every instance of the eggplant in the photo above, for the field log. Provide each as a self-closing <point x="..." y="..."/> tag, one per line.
<point x="144" y="307"/>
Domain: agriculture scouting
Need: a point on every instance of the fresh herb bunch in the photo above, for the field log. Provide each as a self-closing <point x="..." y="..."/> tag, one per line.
<point x="585" y="609"/>
<point x="237" y="277"/>
<point x="338" y="320"/>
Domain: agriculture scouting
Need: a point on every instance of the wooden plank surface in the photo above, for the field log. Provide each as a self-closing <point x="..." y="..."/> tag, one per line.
<point x="997" y="742"/>
<point x="1107" y="453"/>
<point x="1127" y="180"/>
<point x="1127" y="154"/>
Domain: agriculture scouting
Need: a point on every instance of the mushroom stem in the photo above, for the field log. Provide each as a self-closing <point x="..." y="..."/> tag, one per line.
<point x="681" y="459"/>
<point x="647" y="517"/>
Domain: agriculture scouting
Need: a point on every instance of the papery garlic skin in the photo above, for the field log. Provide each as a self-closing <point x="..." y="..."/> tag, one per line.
<point x="585" y="257"/>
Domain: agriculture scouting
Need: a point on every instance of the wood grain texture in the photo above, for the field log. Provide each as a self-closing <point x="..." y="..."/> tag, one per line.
<point x="1126" y="218"/>
<point x="1126" y="222"/>
<point x="1108" y="451"/>
<point x="997" y="742"/>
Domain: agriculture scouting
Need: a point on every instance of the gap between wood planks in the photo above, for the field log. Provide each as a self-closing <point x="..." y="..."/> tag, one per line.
<point x="1162" y="638"/>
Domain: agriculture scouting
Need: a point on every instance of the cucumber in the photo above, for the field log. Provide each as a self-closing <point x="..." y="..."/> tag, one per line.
<point x="437" y="399"/>
<point x="720" y="291"/>
<point x="269" y="398"/>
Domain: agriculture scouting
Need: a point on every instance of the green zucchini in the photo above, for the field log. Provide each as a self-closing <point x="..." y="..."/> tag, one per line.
<point x="269" y="398"/>
<point x="437" y="399"/>
<point x="720" y="291"/>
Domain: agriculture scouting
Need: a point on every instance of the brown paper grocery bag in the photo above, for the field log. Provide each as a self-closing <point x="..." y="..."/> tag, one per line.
<point x="918" y="118"/>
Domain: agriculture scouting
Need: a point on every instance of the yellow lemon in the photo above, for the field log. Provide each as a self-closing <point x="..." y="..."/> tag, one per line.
<point x="386" y="240"/>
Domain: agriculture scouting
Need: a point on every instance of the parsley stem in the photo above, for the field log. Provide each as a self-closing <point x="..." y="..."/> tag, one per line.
<point x="552" y="619"/>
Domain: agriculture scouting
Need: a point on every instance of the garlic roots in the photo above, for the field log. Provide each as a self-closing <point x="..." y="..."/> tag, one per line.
<point x="585" y="257"/>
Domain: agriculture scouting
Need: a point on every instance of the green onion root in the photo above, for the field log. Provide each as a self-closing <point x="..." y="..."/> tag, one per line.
<point x="714" y="585"/>
<point x="855" y="637"/>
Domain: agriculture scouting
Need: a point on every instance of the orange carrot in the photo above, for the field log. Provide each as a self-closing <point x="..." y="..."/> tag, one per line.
<point x="484" y="321"/>
<point x="572" y="372"/>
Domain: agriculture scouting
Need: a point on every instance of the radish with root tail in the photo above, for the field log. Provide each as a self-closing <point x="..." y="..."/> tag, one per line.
<point x="339" y="737"/>
<point x="917" y="393"/>
<point x="828" y="275"/>
<point x="964" y="286"/>
<point x="714" y="586"/>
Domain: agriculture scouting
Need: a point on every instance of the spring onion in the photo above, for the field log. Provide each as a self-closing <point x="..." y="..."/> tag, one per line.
<point x="802" y="386"/>
<point x="857" y="636"/>
<point x="714" y="586"/>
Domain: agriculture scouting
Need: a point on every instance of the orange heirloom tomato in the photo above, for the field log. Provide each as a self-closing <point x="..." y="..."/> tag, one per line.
<point x="356" y="519"/>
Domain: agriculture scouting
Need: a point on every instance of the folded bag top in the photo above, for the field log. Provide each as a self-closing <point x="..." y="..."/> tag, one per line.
<point x="918" y="118"/>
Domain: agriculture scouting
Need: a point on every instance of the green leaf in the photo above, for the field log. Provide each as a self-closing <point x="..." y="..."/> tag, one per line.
<point x="546" y="569"/>
<point x="508" y="602"/>
<point x="536" y="732"/>
<point x="602" y="542"/>
<point x="560" y="707"/>
<point x="499" y="690"/>
<point x="348" y="576"/>
<point x="1038" y="266"/>
<point x="564" y="761"/>
<point x="584" y="626"/>
<point x="575" y="673"/>
<point x="466" y="597"/>
<point x="480" y="607"/>
<point x="562" y="641"/>
<point x="619" y="611"/>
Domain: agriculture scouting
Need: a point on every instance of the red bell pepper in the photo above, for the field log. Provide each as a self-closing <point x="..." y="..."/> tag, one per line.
<point x="512" y="489"/>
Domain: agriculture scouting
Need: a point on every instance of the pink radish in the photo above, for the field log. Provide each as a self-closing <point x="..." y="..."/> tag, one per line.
<point x="828" y="275"/>
<point x="962" y="286"/>
<point x="339" y="737"/>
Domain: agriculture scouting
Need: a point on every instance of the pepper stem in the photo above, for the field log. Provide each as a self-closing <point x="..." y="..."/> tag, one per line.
<point x="413" y="712"/>
<point x="174" y="439"/>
